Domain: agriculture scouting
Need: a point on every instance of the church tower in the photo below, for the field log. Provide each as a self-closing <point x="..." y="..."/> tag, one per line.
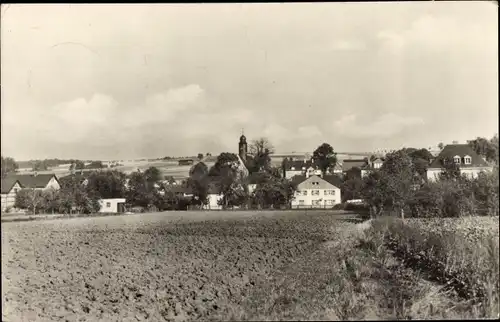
<point x="242" y="147"/>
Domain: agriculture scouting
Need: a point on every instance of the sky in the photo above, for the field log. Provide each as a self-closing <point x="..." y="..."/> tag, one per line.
<point x="144" y="81"/>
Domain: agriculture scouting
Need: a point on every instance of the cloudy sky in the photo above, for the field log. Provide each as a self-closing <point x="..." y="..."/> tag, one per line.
<point x="127" y="81"/>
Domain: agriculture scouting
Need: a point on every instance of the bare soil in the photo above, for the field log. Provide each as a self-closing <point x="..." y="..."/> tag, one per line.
<point x="167" y="266"/>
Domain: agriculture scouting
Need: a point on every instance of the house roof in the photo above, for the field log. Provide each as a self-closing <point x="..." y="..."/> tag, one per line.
<point x="452" y="150"/>
<point x="32" y="181"/>
<point x="348" y="164"/>
<point x="298" y="164"/>
<point x="317" y="182"/>
<point x="298" y="179"/>
<point x="78" y="176"/>
<point x="8" y="183"/>
<point x="334" y="179"/>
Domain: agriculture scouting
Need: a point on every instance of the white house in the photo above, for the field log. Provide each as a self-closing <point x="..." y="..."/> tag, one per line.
<point x="10" y="187"/>
<point x="469" y="162"/>
<point x="317" y="192"/>
<point x="112" y="205"/>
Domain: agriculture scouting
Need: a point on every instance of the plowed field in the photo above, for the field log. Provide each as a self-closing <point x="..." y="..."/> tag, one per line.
<point x="174" y="267"/>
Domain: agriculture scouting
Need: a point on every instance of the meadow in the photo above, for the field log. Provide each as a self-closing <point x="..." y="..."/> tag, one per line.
<point x="179" y="266"/>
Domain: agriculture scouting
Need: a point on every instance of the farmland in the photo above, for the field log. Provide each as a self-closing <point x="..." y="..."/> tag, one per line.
<point x="167" y="168"/>
<point x="180" y="266"/>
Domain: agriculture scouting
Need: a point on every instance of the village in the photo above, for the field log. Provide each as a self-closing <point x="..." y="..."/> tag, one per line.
<point x="313" y="187"/>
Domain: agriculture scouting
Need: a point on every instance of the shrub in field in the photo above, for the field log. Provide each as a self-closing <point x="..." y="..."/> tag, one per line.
<point x="460" y="253"/>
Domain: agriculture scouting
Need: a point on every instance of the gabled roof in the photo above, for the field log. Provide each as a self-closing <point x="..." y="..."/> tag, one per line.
<point x="8" y="183"/>
<point x="296" y="180"/>
<point x="298" y="164"/>
<point x="348" y="164"/>
<point x="32" y="181"/>
<point x="461" y="150"/>
<point x="315" y="182"/>
<point x="334" y="179"/>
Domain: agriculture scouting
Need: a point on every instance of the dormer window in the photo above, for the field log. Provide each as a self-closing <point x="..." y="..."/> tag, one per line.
<point x="456" y="159"/>
<point x="467" y="160"/>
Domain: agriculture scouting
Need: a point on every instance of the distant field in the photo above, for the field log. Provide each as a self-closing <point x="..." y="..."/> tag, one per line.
<point x="168" y="168"/>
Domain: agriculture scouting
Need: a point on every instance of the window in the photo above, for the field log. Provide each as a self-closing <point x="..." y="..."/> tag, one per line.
<point x="316" y="202"/>
<point x="456" y="159"/>
<point x="467" y="159"/>
<point x="304" y="192"/>
<point x="315" y="193"/>
<point x="329" y="202"/>
<point x="301" y="202"/>
<point x="108" y="204"/>
<point x="329" y="192"/>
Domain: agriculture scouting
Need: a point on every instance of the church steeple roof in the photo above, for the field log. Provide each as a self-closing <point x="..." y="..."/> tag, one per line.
<point x="243" y="139"/>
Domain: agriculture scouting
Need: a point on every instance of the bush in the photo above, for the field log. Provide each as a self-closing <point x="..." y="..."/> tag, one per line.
<point x="461" y="253"/>
<point x="456" y="198"/>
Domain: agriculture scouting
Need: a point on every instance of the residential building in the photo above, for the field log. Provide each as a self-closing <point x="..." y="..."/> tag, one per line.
<point x="10" y="187"/>
<point x="316" y="192"/>
<point x="38" y="181"/>
<point x="362" y="164"/>
<point x="292" y="168"/>
<point x="214" y="197"/>
<point x="470" y="163"/>
<point x="377" y="163"/>
<point x="112" y="205"/>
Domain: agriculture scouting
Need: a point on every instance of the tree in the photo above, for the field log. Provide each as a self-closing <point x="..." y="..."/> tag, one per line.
<point x="107" y="184"/>
<point x="199" y="182"/>
<point x="441" y="145"/>
<point x="325" y="157"/>
<point x="29" y="199"/>
<point x="200" y="156"/>
<point x="261" y="150"/>
<point x="449" y="170"/>
<point x="421" y="159"/>
<point x="76" y="165"/>
<point x="94" y="165"/>
<point x="486" y="148"/>
<point x="152" y="175"/>
<point x="51" y="200"/>
<point x="199" y="169"/>
<point x="73" y="195"/>
<point x="40" y="166"/>
<point x="393" y="185"/>
<point x="9" y="165"/>
<point x="352" y="188"/>
<point x="228" y="178"/>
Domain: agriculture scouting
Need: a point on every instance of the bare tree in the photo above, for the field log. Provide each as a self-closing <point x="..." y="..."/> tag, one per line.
<point x="261" y="146"/>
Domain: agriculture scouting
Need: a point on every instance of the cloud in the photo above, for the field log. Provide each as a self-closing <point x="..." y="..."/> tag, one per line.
<point x="437" y="34"/>
<point x="348" y="45"/>
<point x="384" y="126"/>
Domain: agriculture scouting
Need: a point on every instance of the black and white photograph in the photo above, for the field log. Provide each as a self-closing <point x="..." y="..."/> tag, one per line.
<point x="325" y="161"/>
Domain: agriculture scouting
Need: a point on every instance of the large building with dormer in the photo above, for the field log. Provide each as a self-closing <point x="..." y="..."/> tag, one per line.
<point x="463" y="155"/>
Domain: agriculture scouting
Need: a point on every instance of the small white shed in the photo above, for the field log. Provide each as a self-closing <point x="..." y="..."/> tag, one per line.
<point x="114" y="205"/>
